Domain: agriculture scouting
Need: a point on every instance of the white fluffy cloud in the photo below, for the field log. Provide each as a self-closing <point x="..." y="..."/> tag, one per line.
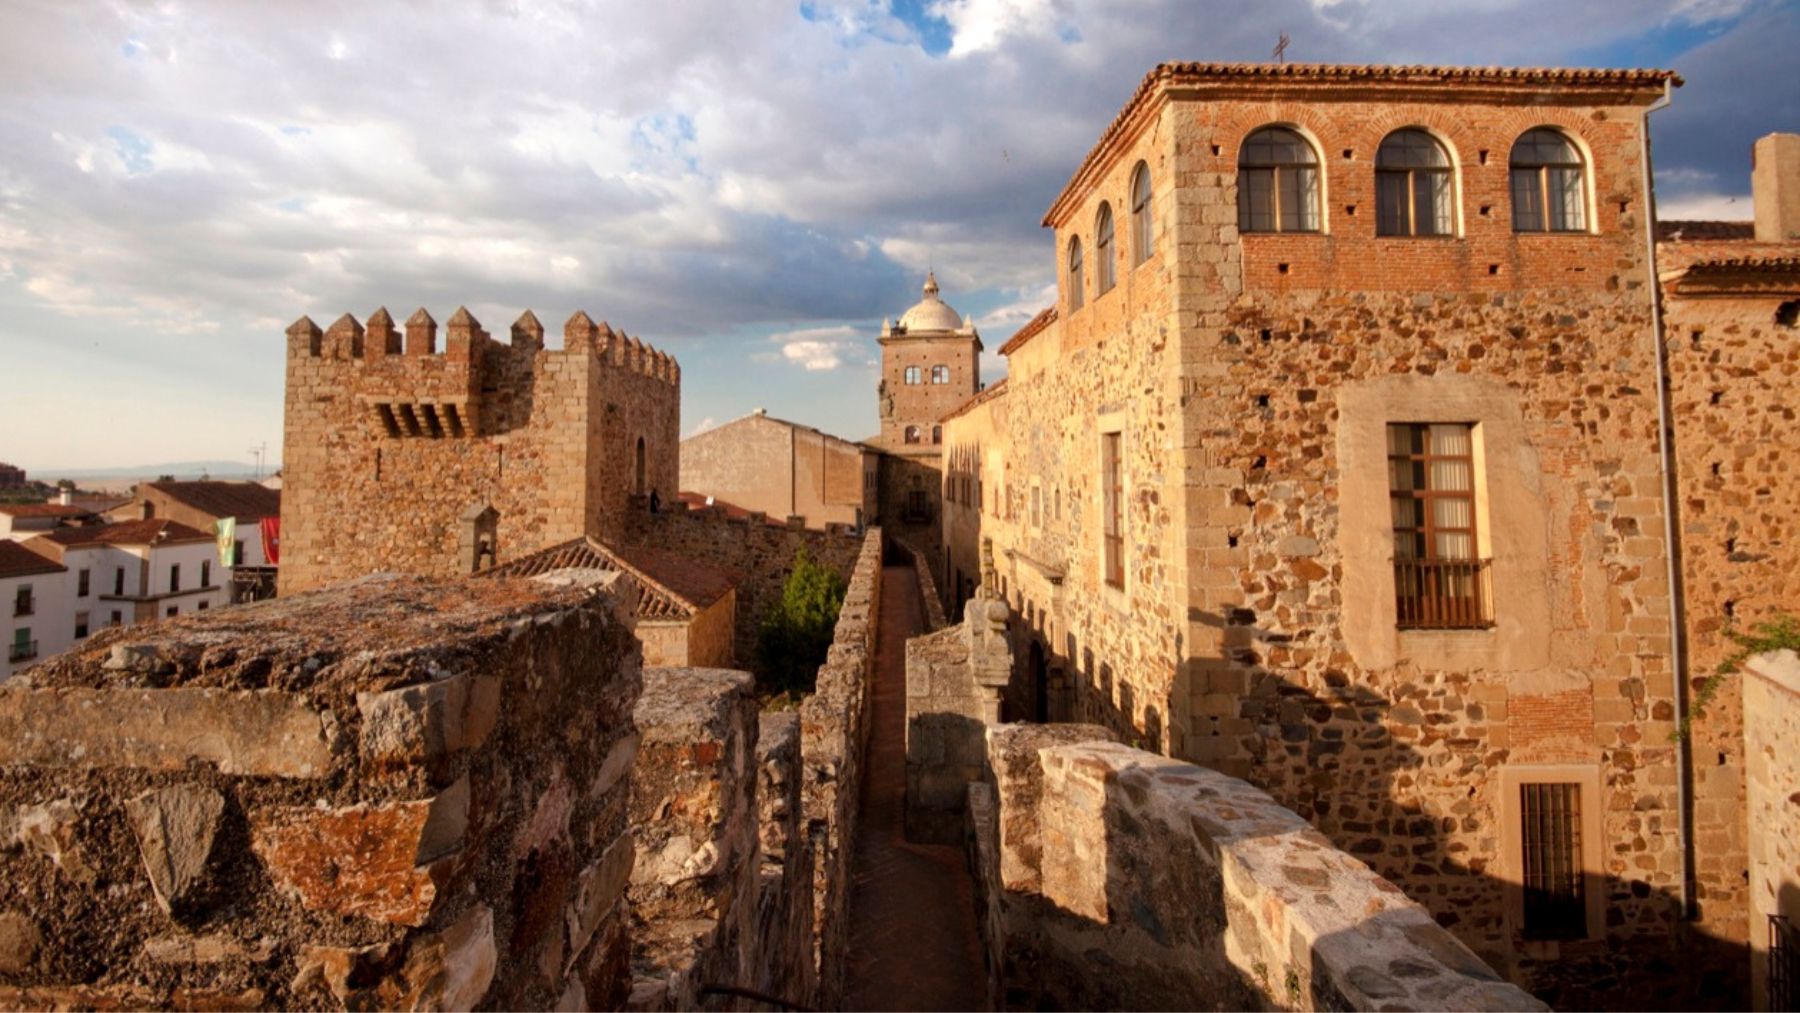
<point x="817" y="349"/>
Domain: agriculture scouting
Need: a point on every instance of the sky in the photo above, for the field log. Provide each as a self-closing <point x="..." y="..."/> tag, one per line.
<point x="750" y="185"/>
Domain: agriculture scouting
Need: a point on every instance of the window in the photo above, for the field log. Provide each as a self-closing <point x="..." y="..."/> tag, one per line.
<point x="937" y="434"/>
<point x="912" y="434"/>
<point x="23" y="647"/>
<point x="1140" y="215"/>
<point x="81" y="625"/>
<point x="1548" y="192"/>
<point x="117" y="617"/>
<point x="206" y="573"/>
<point x="1075" y="284"/>
<point x="174" y="577"/>
<point x="174" y="610"/>
<point x="1551" y="861"/>
<point x="1278" y="183"/>
<point x="23" y="603"/>
<point x="1037" y="507"/>
<point x="1412" y="186"/>
<point x="118" y="580"/>
<point x="202" y="606"/>
<point x="237" y="552"/>
<point x="940" y="374"/>
<point x="912" y="375"/>
<point x="1114" y="508"/>
<point x="1439" y="583"/>
<point x="1103" y="249"/>
<point x="81" y="583"/>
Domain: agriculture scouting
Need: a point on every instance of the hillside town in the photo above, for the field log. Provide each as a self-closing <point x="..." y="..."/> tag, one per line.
<point x="1371" y="586"/>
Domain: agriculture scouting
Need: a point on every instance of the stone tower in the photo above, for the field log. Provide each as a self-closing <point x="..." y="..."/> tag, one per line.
<point x="930" y="365"/>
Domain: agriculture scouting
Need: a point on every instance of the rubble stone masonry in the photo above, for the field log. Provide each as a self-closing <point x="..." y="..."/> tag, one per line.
<point x="392" y="794"/>
<point x="388" y="441"/>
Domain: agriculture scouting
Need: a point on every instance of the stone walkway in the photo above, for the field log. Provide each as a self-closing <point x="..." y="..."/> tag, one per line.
<point x="913" y="943"/>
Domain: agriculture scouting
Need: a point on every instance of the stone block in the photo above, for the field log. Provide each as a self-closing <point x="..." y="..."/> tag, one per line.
<point x="175" y="829"/>
<point x="20" y="941"/>
<point x="53" y="830"/>
<point x="426" y="721"/>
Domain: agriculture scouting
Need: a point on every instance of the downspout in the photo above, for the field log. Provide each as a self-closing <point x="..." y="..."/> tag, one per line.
<point x="1684" y="780"/>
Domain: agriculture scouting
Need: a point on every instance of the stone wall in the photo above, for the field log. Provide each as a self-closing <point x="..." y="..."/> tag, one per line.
<point x="954" y="681"/>
<point x="388" y="441"/>
<point x="931" y="604"/>
<point x="782" y="469"/>
<point x="784" y="914"/>
<point x="760" y="553"/>
<point x="834" y="736"/>
<point x="394" y="793"/>
<point x="1771" y="696"/>
<point x="1139" y="882"/>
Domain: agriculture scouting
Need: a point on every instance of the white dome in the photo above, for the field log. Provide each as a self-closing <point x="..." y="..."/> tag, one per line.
<point x="931" y="313"/>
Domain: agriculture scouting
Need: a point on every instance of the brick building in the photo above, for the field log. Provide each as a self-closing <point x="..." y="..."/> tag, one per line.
<point x="398" y="456"/>
<point x="1336" y="466"/>
<point x="782" y="469"/>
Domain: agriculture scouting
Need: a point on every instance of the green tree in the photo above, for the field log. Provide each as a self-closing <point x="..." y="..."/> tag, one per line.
<point x="796" y="633"/>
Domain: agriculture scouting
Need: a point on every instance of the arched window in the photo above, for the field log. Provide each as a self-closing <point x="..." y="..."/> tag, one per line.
<point x="937" y="434"/>
<point x="1103" y="250"/>
<point x="1278" y="183"/>
<point x="1548" y="188"/>
<point x="940" y="374"/>
<point x="1075" y="281"/>
<point x="1413" y="188"/>
<point x="641" y="478"/>
<point x="912" y="374"/>
<point x="1140" y="215"/>
<point x="912" y="434"/>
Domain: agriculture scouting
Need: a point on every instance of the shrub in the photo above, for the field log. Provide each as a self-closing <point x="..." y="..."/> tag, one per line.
<point x="796" y="633"/>
<point x="1779" y="633"/>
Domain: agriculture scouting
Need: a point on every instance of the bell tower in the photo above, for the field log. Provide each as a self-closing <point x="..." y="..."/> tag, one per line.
<point x="930" y="365"/>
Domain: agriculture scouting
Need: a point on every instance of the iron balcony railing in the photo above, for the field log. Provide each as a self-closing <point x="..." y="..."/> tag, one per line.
<point x="1443" y="594"/>
<point x="22" y="650"/>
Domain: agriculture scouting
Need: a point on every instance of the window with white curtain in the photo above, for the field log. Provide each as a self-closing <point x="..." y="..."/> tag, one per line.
<point x="1549" y="190"/>
<point x="1439" y="578"/>
<point x="1278" y="183"/>
<point x="1414" y="189"/>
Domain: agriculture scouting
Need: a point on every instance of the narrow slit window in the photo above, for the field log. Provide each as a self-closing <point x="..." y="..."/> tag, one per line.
<point x="1550" y="835"/>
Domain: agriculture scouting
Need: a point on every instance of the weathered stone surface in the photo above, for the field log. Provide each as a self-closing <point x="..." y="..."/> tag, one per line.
<point x="422" y="722"/>
<point x="175" y="829"/>
<point x="258" y="733"/>
<point x="379" y="862"/>
<point x="452" y="971"/>
<point x="53" y="829"/>
<point x="20" y="940"/>
<point x="129" y="997"/>
<point x="213" y="948"/>
<point x="596" y="891"/>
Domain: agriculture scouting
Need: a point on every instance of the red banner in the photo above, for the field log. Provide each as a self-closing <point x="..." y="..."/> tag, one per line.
<point x="271" y="539"/>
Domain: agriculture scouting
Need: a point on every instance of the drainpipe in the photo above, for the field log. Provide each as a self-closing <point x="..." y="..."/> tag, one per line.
<point x="1684" y="781"/>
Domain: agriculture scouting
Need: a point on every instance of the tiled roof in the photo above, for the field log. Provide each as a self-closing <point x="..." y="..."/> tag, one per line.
<point x="1188" y="73"/>
<point x="150" y="531"/>
<point x="674" y="586"/>
<point x="18" y="561"/>
<point x="43" y="510"/>
<point x="1032" y="329"/>
<point x="993" y="390"/>
<point x="247" y="501"/>
<point x="1697" y="231"/>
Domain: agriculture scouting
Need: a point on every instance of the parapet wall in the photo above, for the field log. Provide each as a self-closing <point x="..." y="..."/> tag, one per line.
<point x="760" y="553"/>
<point x="1772" y="764"/>
<point x="834" y="737"/>
<point x="389" y="441"/>
<point x="394" y="793"/>
<point x="1133" y="881"/>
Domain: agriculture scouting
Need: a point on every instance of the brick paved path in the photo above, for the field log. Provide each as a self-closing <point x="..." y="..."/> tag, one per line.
<point x="913" y="944"/>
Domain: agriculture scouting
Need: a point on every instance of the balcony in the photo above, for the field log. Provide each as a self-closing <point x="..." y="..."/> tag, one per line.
<point x="1443" y="594"/>
<point x="22" y="650"/>
<point x="24" y="605"/>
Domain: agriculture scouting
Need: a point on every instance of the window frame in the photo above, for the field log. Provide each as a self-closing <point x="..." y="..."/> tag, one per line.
<point x="940" y="374"/>
<point x="1107" y="278"/>
<point x="912" y="435"/>
<point x="1593" y="847"/>
<point x="174" y="577"/>
<point x="1277" y="170"/>
<point x="1411" y="175"/>
<point x="1424" y="560"/>
<point x="1112" y="507"/>
<point x="1143" y="237"/>
<point x="1539" y="173"/>
<point x="1075" y="266"/>
<point x="912" y="376"/>
<point x="83" y="583"/>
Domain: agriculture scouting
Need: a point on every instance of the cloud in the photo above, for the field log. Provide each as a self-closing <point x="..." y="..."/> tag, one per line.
<point x="703" y="425"/>
<point x="817" y="349"/>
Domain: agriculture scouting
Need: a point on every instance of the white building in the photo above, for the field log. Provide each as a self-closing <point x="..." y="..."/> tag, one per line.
<point x="135" y="571"/>
<point x="19" y="521"/>
<point x="35" y="614"/>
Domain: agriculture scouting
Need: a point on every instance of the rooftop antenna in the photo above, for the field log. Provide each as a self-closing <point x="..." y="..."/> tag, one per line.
<point x="1281" y="45"/>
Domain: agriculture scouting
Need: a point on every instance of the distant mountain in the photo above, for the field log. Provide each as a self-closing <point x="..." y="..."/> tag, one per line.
<point x="180" y="469"/>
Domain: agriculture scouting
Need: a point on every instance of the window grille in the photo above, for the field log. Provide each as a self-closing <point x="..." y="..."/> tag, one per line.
<point x="1278" y="183"/>
<point x="1784" y="964"/>
<point x="1439" y="581"/>
<point x="1550" y="833"/>
<point x="1548" y="188"/>
<point x="1413" y="187"/>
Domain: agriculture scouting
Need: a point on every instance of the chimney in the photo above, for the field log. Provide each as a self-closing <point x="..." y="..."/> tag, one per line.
<point x="1775" y="187"/>
<point x="65" y="496"/>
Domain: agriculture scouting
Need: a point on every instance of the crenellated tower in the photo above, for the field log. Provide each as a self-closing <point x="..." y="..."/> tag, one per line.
<point x="391" y="445"/>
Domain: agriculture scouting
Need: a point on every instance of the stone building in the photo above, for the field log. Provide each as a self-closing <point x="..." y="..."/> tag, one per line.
<point x="1336" y="466"/>
<point x="782" y="469"/>
<point x="399" y="456"/>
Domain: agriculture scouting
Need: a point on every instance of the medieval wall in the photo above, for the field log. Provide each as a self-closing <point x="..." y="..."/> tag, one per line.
<point x="1771" y="701"/>
<point x="391" y="794"/>
<point x="388" y="441"/>
<point x="1201" y="891"/>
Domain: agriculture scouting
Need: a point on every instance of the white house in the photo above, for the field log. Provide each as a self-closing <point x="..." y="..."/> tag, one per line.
<point x="35" y="614"/>
<point x="136" y="571"/>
